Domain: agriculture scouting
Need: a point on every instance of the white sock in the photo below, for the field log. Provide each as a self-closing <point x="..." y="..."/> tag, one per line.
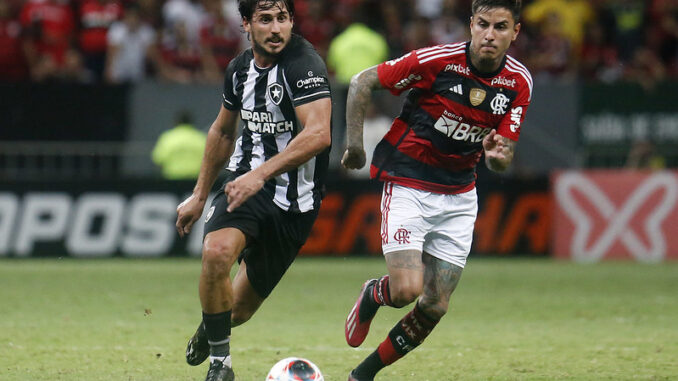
<point x="225" y="360"/>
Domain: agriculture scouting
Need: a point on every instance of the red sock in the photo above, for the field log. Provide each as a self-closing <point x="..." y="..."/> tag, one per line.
<point x="382" y="293"/>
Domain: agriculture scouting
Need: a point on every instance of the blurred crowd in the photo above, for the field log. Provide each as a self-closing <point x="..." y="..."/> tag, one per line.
<point x="192" y="41"/>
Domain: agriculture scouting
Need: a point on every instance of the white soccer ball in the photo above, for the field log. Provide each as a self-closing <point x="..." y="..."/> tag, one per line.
<point x="294" y="369"/>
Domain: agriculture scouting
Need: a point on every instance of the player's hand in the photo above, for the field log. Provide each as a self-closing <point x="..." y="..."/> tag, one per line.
<point x="242" y="188"/>
<point x="494" y="146"/>
<point x="187" y="213"/>
<point x="354" y="158"/>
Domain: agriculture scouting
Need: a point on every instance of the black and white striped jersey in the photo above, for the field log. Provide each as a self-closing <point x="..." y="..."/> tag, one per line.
<point x="265" y="99"/>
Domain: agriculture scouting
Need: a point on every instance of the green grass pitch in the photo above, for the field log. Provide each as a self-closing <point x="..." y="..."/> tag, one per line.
<point x="510" y="319"/>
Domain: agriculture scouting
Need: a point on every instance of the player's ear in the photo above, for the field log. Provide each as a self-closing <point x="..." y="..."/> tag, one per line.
<point x="516" y="31"/>
<point x="246" y="25"/>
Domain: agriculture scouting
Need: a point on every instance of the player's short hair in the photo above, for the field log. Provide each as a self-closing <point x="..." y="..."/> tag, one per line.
<point x="248" y="7"/>
<point x="512" y="5"/>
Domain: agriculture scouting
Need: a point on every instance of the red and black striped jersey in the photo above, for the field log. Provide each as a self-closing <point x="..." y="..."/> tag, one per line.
<point x="436" y="141"/>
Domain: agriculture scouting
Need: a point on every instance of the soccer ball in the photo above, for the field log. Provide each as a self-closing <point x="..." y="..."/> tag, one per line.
<point x="294" y="369"/>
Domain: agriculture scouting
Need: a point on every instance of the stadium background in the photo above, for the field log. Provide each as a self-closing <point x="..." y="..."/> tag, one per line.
<point x="75" y="143"/>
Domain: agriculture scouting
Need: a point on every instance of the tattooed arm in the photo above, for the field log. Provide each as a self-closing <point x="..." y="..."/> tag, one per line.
<point x="498" y="151"/>
<point x="359" y="97"/>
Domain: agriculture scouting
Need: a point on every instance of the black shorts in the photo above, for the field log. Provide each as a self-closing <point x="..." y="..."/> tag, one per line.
<point x="274" y="236"/>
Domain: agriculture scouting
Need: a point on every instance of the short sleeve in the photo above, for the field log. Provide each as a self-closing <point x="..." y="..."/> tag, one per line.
<point x="229" y="99"/>
<point x="404" y="73"/>
<point x="307" y="78"/>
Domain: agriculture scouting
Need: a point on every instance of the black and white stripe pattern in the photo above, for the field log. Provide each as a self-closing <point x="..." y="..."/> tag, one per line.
<point x="297" y="190"/>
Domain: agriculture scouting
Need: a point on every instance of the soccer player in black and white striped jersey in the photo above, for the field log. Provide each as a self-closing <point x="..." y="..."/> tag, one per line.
<point x="275" y="176"/>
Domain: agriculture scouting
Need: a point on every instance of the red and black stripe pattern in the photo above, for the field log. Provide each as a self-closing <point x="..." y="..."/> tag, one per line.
<point x="436" y="142"/>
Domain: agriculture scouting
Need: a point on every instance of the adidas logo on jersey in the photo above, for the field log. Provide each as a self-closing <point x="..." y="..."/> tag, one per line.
<point x="457" y="89"/>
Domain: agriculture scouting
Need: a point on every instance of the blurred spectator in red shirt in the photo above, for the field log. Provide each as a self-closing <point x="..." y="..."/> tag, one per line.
<point x="599" y="56"/>
<point x="96" y="17"/>
<point x="315" y="25"/>
<point x="220" y="39"/>
<point x="49" y="40"/>
<point x="181" y="57"/>
<point x="13" y="67"/>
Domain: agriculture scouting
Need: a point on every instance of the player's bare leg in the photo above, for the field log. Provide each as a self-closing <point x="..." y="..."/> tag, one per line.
<point x="246" y="302"/>
<point x="406" y="272"/>
<point x="440" y="280"/>
<point x="397" y="289"/>
<point x="220" y="250"/>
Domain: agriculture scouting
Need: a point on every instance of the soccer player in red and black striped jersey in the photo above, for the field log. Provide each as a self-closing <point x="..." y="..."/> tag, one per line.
<point x="465" y="100"/>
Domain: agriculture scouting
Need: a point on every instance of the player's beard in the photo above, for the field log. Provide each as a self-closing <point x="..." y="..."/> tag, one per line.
<point x="485" y="64"/>
<point x="261" y="50"/>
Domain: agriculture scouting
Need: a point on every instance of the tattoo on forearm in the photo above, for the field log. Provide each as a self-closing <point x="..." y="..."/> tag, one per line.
<point x="359" y="97"/>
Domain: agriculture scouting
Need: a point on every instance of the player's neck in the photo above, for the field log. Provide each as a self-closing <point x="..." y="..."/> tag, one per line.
<point x="262" y="58"/>
<point x="263" y="62"/>
<point x="485" y="66"/>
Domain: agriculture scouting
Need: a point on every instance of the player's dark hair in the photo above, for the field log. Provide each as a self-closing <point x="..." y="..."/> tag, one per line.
<point x="248" y="7"/>
<point x="512" y="5"/>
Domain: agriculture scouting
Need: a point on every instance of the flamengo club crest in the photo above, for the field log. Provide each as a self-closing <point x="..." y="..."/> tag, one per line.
<point x="477" y="96"/>
<point x="275" y="93"/>
<point x="499" y="104"/>
<point x="402" y="236"/>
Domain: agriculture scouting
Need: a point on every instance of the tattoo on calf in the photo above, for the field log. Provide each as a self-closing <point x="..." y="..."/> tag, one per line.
<point x="440" y="277"/>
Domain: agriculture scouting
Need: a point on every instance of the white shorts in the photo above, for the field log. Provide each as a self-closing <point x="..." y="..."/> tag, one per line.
<point x="438" y="224"/>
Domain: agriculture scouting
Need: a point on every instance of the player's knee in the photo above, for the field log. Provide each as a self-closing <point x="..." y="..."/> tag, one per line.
<point x="433" y="308"/>
<point x="217" y="258"/>
<point x="402" y="295"/>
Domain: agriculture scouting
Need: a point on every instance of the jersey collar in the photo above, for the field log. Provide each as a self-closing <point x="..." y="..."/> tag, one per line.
<point x="479" y="73"/>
